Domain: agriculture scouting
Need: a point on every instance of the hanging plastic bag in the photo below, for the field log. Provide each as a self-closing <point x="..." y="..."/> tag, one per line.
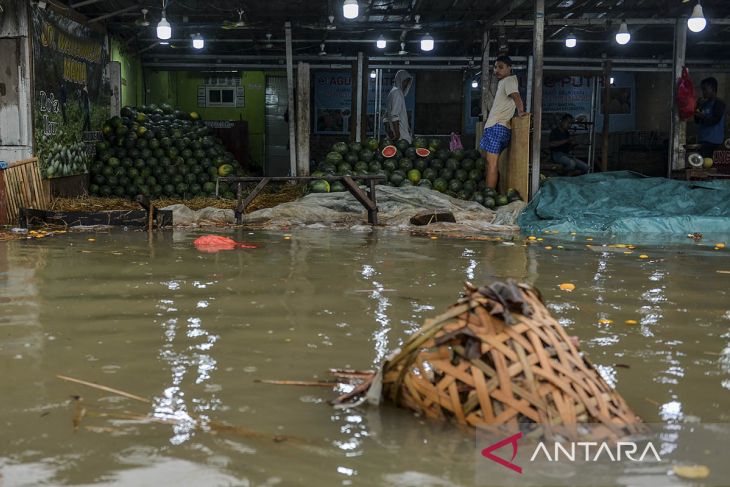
<point x="455" y="143"/>
<point x="686" y="102"/>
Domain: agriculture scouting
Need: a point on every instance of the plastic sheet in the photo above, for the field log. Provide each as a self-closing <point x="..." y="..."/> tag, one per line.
<point x="624" y="202"/>
<point x="396" y="207"/>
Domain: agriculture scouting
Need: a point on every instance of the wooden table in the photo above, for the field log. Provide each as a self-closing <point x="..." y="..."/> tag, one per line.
<point x="366" y="199"/>
<point x="692" y="173"/>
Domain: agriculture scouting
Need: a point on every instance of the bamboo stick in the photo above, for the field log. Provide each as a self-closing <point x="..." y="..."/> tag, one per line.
<point x="104" y="388"/>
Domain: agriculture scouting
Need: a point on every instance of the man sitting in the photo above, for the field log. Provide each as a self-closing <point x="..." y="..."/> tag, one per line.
<point x="561" y="143"/>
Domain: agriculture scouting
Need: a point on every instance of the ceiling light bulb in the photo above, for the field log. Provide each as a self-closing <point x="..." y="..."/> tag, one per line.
<point x="164" y="31"/>
<point x="350" y="9"/>
<point x="381" y="42"/>
<point x="611" y="80"/>
<point x="373" y="75"/>
<point x="623" y="36"/>
<point x="571" y="41"/>
<point x="198" y="41"/>
<point x="475" y="84"/>
<point x="697" y="22"/>
<point x="427" y="43"/>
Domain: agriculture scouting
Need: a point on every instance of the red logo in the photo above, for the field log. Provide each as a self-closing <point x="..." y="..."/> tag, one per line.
<point x="487" y="452"/>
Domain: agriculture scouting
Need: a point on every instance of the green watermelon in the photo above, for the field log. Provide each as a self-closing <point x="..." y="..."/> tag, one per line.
<point x="467" y="164"/>
<point x="447" y="174"/>
<point x="374" y="167"/>
<point x="351" y="158"/>
<point x="478" y="197"/>
<point x="502" y="200"/>
<point x="410" y="153"/>
<point x="405" y="165"/>
<point x="429" y="173"/>
<point x="405" y="183"/>
<point x="366" y="155"/>
<point x="402" y="145"/>
<point x="340" y="147"/>
<point x="461" y="175"/>
<point x="337" y="187"/>
<point x="361" y="166"/>
<point x="425" y="183"/>
<point x="397" y="178"/>
<point x="334" y="157"/>
<point x="414" y="176"/>
<point x="354" y="147"/>
<point x="419" y="143"/>
<point x="458" y="154"/>
<point x="436" y="164"/>
<point x="420" y="164"/>
<point x="319" y="186"/>
<point x="452" y="164"/>
<point x="224" y="170"/>
<point x="373" y="144"/>
<point x="389" y="165"/>
<point x="344" y="168"/>
<point x="455" y="185"/>
<point x="441" y="185"/>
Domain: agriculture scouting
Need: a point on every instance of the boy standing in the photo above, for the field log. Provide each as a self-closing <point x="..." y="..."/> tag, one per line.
<point x="497" y="131"/>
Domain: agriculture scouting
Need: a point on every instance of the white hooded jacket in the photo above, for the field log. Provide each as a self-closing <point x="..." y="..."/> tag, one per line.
<point x="396" y="106"/>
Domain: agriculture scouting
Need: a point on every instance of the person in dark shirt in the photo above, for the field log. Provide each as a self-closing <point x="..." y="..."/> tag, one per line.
<point x="710" y="118"/>
<point x="561" y="143"/>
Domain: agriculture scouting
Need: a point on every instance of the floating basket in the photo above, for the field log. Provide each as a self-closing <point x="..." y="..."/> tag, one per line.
<point x="498" y="358"/>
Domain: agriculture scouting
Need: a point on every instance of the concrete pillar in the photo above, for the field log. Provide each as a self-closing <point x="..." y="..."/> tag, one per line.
<point x="290" y="98"/>
<point x="678" y="134"/>
<point x="537" y="49"/>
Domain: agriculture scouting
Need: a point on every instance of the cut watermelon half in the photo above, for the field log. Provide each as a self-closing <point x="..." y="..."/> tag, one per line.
<point x="421" y="152"/>
<point x="389" y="151"/>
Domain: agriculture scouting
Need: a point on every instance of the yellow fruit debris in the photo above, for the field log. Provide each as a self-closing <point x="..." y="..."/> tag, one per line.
<point x="631" y="322"/>
<point x="604" y="321"/>
<point x="287" y="237"/>
<point x="540" y="239"/>
<point x="560" y="247"/>
<point x="532" y="237"/>
<point x="547" y="247"/>
<point x="628" y="252"/>
<point x="434" y="237"/>
<point x="643" y="256"/>
<point x="91" y="239"/>
<point x="589" y="238"/>
<point x="720" y="245"/>
<point x="691" y="471"/>
<point x="567" y="286"/>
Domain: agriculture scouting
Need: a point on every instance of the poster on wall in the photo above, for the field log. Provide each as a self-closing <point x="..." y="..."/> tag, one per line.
<point x="72" y="92"/>
<point x="333" y="102"/>
<point x="566" y="94"/>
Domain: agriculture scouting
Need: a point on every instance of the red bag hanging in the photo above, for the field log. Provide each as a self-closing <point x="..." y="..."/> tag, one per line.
<point x="686" y="101"/>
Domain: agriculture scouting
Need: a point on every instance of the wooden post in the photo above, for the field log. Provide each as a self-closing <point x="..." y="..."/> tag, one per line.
<point x="365" y="91"/>
<point x="290" y="107"/>
<point x="606" y="117"/>
<point x="358" y="97"/>
<point x="486" y="80"/>
<point x="537" y="49"/>
<point x="303" y="128"/>
<point x="678" y="127"/>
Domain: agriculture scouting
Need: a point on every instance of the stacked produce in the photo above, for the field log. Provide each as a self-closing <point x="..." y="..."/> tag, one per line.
<point x="160" y="152"/>
<point x="459" y="174"/>
<point x="65" y="160"/>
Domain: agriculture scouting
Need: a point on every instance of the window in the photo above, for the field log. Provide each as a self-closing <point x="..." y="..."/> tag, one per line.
<point x="221" y="97"/>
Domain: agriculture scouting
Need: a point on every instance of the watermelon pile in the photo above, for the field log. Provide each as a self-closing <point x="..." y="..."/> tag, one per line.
<point x="459" y="174"/>
<point x="160" y="152"/>
<point x="65" y="160"/>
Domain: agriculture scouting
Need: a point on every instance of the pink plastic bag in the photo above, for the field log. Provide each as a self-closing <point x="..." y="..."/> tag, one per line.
<point x="455" y="143"/>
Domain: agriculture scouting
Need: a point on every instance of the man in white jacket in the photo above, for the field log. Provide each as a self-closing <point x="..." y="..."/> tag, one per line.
<point x="397" y="125"/>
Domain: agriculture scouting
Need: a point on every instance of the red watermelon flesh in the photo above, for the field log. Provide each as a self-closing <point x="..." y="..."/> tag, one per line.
<point x="389" y="151"/>
<point x="422" y="152"/>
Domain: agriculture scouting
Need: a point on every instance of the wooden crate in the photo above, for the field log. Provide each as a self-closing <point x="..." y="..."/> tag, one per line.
<point x="23" y="189"/>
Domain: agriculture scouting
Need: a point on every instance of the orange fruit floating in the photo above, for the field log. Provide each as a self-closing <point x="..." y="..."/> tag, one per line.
<point x="567" y="286"/>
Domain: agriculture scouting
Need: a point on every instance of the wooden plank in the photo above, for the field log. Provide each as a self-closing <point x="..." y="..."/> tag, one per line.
<point x="359" y="194"/>
<point x="518" y="174"/>
<point x="241" y="208"/>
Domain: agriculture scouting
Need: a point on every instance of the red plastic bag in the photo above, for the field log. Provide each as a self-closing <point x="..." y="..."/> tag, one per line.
<point x="211" y="244"/>
<point x="686" y="101"/>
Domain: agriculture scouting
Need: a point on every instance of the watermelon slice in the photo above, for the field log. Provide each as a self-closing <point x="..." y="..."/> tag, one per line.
<point x="421" y="152"/>
<point x="389" y="151"/>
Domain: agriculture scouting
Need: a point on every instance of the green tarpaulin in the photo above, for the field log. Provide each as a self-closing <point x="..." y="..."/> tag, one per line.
<point x="628" y="203"/>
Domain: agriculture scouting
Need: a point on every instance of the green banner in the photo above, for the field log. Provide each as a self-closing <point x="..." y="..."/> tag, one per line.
<point x="71" y="92"/>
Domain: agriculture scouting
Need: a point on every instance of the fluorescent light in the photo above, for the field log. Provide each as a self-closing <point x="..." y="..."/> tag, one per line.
<point x="475" y="84"/>
<point x="350" y="9"/>
<point x="381" y="42"/>
<point x="697" y="22"/>
<point x="623" y="36"/>
<point x="571" y="41"/>
<point x="198" y="41"/>
<point x="427" y="43"/>
<point x="373" y="75"/>
<point x="611" y="80"/>
<point x="164" y="31"/>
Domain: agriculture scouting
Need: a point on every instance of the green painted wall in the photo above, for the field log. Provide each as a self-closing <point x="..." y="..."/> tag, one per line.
<point x="131" y="74"/>
<point x="180" y="89"/>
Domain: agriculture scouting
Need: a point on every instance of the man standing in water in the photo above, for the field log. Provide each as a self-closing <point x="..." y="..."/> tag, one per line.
<point x="497" y="133"/>
<point x="396" y="122"/>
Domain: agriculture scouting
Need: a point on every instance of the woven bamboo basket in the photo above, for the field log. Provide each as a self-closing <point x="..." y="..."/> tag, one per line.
<point x="497" y="358"/>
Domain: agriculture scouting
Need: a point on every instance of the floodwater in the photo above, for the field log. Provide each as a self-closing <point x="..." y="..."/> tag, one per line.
<point x="193" y="332"/>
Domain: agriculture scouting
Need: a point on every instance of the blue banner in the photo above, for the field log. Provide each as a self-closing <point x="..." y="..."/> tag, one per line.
<point x="333" y="101"/>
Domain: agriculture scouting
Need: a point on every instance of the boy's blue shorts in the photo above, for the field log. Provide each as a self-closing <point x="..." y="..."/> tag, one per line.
<point x="495" y="139"/>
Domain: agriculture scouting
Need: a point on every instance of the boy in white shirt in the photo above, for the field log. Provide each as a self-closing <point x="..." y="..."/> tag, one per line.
<point x="497" y="133"/>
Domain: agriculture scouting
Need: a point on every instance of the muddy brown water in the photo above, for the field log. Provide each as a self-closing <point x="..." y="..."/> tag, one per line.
<point x="193" y="332"/>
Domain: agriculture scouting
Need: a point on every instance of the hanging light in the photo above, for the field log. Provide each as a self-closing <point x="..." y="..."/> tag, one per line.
<point x="373" y="75"/>
<point x="198" y="41"/>
<point x="571" y="41"/>
<point x="474" y="84"/>
<point x="623" y="36"/>
<point x="697" y="22"/>
<point x="427" y="43"/>
<point x="350" y="9"/>
<point x="611" y="80"/>
<point x="381" y="42"/>
<point x="164" y="31"/>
